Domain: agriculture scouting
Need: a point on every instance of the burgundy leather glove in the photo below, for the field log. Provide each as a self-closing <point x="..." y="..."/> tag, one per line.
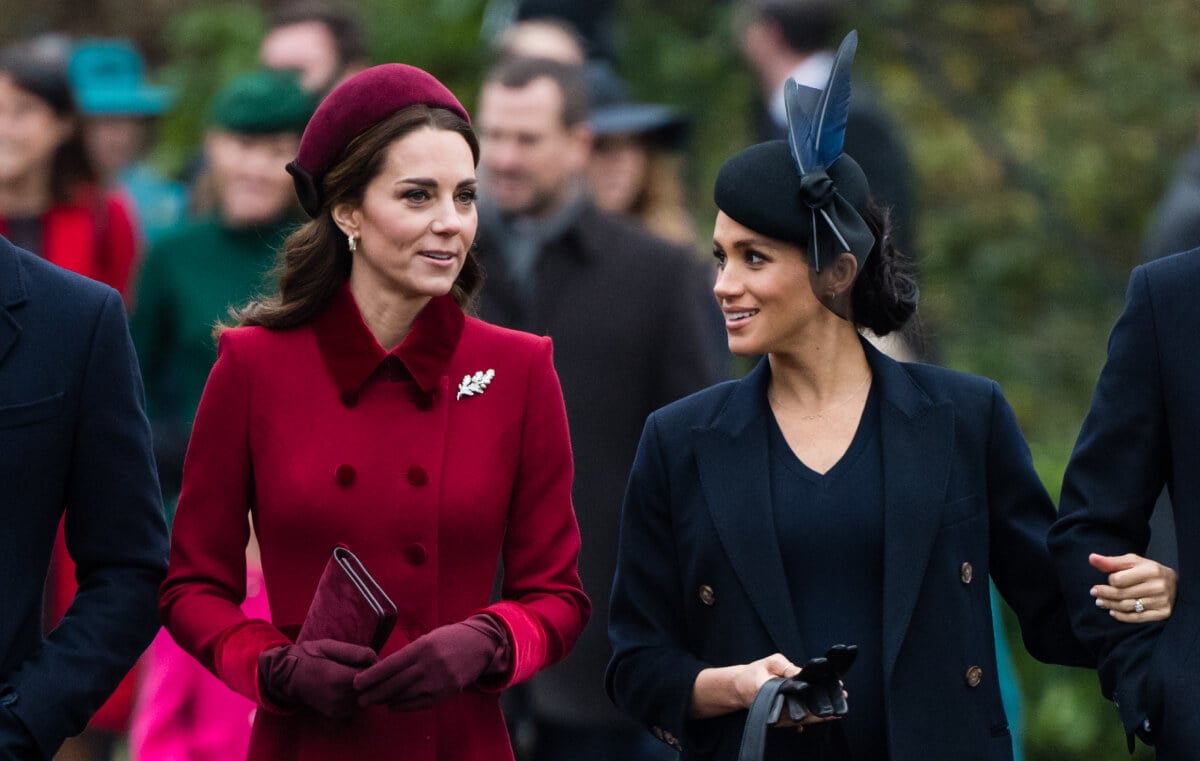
<point x="436" y="666"/>
<point x="318" y="674"/>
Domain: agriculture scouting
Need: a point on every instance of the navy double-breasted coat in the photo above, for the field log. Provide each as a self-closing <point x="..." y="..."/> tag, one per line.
<point x="701" y="582"/>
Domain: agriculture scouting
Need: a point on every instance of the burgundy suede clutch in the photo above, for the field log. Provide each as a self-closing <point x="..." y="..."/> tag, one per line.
<point x="349" y="606"/>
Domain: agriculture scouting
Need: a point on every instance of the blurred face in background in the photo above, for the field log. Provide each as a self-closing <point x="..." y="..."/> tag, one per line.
<point x="114" y="142"/>
<point x="250" y="180"/>
<point x="307" y="48"/>
<point x="531" y="159"/>
<point x="617" y="171"/>
<point x="30" y="133"/>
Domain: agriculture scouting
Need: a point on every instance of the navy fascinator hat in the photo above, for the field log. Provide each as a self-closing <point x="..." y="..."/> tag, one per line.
<point x="805" y="190"/>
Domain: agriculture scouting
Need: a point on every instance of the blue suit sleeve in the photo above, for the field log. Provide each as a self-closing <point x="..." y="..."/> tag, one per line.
<point x="117" y="537"/>
<point x="1021" y="513"/>
<point x="651" y="675"/>
<point x="1114" y="476"/>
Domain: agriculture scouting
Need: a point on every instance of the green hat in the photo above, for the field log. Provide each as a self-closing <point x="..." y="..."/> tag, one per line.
<point x="261" y="103"/>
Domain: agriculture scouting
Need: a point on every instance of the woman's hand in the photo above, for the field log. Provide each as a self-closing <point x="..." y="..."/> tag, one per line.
<point x="434" y="667"/>
<point x="318" y="674"/>
<point x="1134" y="582"/>
<point x="726" y="689"/>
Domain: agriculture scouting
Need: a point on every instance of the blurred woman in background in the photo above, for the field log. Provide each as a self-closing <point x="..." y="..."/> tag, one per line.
<point x="191" y="278"/>
<point x="636" y="165"/>
<point x="50" y="203"/>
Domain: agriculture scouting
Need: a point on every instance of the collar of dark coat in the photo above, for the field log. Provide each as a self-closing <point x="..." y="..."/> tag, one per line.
<point x="12" y="275"/>
<point x="351" y="353"/>
<point x="580" y="239"/>
<point x="747" y="399"/>
<point x="12" y="293"/>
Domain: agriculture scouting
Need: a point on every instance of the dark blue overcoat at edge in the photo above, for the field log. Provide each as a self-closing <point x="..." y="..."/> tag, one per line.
<point x="73" y="437"/>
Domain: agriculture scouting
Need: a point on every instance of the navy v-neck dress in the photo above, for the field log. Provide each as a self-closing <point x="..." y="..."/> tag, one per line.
<point x="830" y="529"/>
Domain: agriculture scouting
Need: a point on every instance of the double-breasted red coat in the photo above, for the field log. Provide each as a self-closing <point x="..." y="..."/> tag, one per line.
<point x="324" y="438"/>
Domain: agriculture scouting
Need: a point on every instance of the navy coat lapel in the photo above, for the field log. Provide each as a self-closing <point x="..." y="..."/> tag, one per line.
<point x="12" y="293"/>
<point x="917" y="440"/>
<point x="732" y="458"/>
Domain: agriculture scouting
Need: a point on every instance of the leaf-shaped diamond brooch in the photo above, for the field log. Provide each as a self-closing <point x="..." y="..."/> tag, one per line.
<point x="475" y="384"/>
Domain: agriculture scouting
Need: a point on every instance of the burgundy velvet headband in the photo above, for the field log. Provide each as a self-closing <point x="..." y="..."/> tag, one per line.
<point x="353" y="107"/>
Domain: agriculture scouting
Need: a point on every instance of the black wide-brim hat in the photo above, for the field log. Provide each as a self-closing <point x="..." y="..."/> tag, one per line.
<point x="613" y="112"/>
<point x="660" y="123"/>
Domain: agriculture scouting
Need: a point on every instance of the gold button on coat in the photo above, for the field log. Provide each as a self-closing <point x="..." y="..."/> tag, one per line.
<point x="707" y="596"/>
<point x="974" y="676"/>
<point x="966" y="573"/>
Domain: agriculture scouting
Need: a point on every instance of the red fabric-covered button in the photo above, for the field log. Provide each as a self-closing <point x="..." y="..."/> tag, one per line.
<point x="344" y="475"/>
<point x="417" y="476"/>
<point x="424" y="401"/>
<point x="349" y="398"/>
<point x="415" y="553"/>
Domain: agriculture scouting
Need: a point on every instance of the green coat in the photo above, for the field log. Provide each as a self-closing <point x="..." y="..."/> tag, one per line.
<point x="189" y="280"/>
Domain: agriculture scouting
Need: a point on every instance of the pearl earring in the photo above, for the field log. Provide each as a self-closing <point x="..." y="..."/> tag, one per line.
<point x="352" y="241"/>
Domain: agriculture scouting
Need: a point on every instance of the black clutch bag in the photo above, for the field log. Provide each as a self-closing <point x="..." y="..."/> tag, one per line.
<point x="349" y="605"/>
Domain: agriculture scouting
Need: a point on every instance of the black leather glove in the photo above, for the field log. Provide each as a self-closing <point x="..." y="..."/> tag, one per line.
<point x="318" y="674"/>
<point x="817" y="689"/>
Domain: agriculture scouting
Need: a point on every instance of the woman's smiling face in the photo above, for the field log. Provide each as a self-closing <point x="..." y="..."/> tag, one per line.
<point x="417" y="218"/>
<point x="764" y="288"/>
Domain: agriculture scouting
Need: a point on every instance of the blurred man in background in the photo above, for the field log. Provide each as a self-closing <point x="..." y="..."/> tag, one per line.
<point x="629" y="337"/>
<point x="321" y="42"/>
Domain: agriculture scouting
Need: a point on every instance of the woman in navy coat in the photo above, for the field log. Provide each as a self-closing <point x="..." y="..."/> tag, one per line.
<point x="362" y="406"/>
<point x="831" y="496"/>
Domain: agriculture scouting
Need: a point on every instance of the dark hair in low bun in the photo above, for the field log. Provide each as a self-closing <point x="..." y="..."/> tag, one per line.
<point x="885" y="293"/>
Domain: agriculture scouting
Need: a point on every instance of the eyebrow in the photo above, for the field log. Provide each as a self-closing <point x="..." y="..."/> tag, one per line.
<point x="429" y="182"/>
<point x="745" y="243"/>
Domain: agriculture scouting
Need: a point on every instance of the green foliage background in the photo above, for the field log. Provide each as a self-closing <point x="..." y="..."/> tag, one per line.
<point x="1042" y="132"/>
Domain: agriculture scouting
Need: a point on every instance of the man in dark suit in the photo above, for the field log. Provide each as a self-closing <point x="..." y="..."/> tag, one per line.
<point x="1142" y="434"/>
<point x="73" y="438"/>
<point x="629" y="336"/>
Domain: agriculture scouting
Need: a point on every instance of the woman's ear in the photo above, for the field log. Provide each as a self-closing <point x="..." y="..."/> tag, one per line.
<point x="835" y="282"/>
<point x="345" y="216"/>
<point x="842" y="273"/>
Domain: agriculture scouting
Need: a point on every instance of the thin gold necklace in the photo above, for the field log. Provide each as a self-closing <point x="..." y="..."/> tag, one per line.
<point x="820" y="414"/>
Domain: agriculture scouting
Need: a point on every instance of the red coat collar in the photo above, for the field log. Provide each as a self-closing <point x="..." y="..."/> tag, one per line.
<point x="352" y="354"/>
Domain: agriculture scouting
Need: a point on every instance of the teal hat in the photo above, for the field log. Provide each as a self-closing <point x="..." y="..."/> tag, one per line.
<point x="261" y="103"/>
<point x="108" y="78"/>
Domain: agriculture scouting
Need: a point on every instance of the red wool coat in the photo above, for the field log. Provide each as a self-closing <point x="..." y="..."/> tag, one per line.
<point x="324" y="438"/>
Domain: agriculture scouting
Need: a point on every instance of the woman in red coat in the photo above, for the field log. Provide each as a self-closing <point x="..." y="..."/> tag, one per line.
<point x="50" y="201"/>
<point x="361" y="406"/>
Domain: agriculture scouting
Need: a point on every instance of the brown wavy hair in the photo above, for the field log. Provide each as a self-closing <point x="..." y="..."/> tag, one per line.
<point x="314" y="261"/>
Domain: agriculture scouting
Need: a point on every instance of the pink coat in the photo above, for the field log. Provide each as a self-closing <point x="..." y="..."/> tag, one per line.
<point x="183" y="712"/>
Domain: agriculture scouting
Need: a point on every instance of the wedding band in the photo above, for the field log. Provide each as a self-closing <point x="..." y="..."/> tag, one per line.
<point x="1138" y="607"/>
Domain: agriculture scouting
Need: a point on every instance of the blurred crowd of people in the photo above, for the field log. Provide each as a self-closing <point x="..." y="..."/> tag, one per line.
<point x="583" y="212"/>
